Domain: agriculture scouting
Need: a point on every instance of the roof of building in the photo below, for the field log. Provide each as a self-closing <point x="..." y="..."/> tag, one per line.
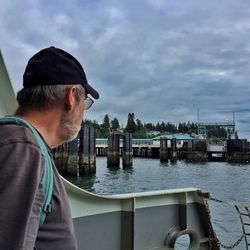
<point x="177" y="136"/>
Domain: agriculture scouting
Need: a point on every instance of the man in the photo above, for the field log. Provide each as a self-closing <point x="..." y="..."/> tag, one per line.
<point x="53" y="101"/>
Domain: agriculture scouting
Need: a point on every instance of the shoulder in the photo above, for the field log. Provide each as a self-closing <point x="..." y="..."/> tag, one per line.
<point x="20" y="154"/>
<point x="14" y="133"/>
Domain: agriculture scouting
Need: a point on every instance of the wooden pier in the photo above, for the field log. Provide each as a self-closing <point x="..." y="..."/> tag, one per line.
<point x="196" y="150"/>
<point x="78" y="157"/>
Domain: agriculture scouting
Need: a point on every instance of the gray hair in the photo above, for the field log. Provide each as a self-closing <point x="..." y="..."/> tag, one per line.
<point x="43" y="97"/>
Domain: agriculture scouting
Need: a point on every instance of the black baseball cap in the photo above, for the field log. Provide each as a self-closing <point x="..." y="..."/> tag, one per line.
<point x="53" y="66"/>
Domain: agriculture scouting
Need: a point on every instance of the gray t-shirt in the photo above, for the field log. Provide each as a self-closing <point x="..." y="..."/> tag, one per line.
<point x="21" y="197"/>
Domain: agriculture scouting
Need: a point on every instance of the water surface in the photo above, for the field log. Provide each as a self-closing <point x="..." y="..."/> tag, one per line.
<point x="228" y="182"/>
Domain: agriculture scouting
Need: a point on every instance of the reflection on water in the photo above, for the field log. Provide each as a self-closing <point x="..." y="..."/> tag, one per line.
<point x="229" y="182"/>
<point x="224" y="181"/>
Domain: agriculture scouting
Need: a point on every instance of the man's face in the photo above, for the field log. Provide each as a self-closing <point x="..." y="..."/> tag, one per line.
<point x="71" y="120"/>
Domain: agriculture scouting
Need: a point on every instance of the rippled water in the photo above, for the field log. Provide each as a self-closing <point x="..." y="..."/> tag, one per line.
<point x="228" y="182"/>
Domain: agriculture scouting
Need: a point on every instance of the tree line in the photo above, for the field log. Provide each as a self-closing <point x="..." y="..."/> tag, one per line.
<point x="149" y="130"/>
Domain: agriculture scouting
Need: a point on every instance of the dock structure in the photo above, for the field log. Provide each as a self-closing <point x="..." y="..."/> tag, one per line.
<point x="217" y="152"/>
<point x="168" y="150"/>
<point x="78" y="157"/>
<point x="60" y="155"/>
<point x="73" y="157"/>
<point x="127" y="151"/>
<point x="113" y="151"/>
<point x="92" y="150"/>
<point x="87" y="150"/>
<point x="238" y="150"/>
<point x="195" y="150"/>
<point x="173" y="150"/>
<point x="101" y="146"/>
<point x="164" y="154"/>
<point x="140" y="147"/>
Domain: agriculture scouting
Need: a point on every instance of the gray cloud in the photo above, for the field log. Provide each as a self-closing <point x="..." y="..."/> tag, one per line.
<point x="159" y="59"/>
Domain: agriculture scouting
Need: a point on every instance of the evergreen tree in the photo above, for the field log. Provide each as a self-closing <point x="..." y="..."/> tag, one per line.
<point x="149" y="126"/>
<point x="162" y="127"/>
<point x="139" y="130"/>
<point x="158" y="127"/>
<point x="193" y="128"/>
<point x="115" y="124"/>
<point x="131" y="126"/>
<point x="105" y="125"/>
<point x="180" y="128"/>
<point x="139" y="125"/>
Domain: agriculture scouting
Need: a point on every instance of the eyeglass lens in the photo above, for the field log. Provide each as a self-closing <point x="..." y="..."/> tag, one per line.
<point x="88" y="102"/>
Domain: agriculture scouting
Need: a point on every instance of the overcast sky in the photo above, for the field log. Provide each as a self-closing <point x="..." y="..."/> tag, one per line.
<point x="161" y="59"/>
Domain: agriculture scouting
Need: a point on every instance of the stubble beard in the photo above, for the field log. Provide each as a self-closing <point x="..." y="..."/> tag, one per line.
<point x="69" y="129"/>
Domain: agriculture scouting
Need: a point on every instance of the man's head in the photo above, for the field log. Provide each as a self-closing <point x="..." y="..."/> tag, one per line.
<point x="53" y="66"/>
<point x="55" y="79"/>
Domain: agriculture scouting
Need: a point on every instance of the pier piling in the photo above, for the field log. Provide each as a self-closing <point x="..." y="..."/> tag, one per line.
<point x="238" y="150"/>
<point x="87" y="151"/>
<point x="127" y="151"/>
<point x="73" y="158"/>
<point x="92" y="151"/>
<point x="113" y="153"/>
<point x="173" y="151"/>
<point x="164" y="153"/>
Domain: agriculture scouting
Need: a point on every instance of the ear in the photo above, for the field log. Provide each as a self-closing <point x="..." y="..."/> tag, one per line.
<point x="70" y="99"/>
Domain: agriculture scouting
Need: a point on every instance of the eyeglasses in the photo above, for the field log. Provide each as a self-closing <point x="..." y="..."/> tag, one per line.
<point x="88" y="103"/>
